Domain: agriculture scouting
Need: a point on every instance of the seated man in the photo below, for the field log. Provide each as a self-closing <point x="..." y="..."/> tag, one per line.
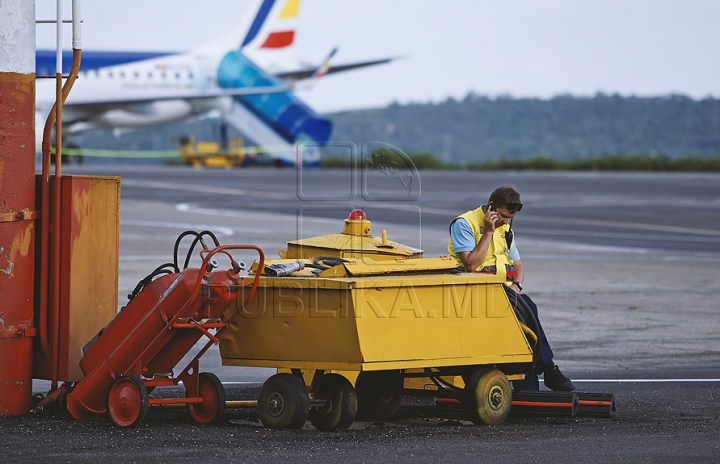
<point x="481" y="240"/>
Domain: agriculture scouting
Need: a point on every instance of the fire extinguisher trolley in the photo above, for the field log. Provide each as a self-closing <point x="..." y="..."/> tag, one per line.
<point x="138" y="350"/>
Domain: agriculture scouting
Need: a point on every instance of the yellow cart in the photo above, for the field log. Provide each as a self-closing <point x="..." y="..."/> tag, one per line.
<point x="362" y="319"/>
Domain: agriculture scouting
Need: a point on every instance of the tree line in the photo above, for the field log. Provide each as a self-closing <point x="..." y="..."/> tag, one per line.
<point x="478" y="129"/>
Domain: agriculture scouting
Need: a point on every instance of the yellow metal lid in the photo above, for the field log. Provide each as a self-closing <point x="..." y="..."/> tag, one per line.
<point x="355" y="239"/>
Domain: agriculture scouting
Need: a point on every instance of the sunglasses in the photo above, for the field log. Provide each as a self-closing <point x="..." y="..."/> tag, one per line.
<point x="513" y="207"/>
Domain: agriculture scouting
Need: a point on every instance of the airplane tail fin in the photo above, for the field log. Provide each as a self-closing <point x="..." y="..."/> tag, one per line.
<point x="249" y="23"/>
<point x="265" y="33"/>
<point x="270" y="41"/>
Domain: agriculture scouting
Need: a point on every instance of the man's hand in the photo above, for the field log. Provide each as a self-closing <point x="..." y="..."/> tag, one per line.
<point x="491" y="217"/>
<point x="473" y="259"/>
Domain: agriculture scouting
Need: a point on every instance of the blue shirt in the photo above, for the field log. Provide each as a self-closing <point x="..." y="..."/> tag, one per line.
<point x="463" y="239"/>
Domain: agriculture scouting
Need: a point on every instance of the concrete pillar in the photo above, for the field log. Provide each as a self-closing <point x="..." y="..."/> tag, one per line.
<point x="17" y="203"/>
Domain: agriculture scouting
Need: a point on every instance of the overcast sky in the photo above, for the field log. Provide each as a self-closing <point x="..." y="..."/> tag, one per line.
<point x="524" y="48"/>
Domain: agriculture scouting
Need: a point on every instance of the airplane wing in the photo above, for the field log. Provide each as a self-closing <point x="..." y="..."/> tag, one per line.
<point x="127" y="100"/>
<point x="309" y="71"/>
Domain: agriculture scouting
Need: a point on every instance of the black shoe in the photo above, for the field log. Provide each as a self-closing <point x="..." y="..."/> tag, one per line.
<point x="555" y="380"/>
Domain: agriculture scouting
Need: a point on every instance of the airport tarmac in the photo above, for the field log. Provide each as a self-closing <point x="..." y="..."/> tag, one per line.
<point x="626" y="294"/>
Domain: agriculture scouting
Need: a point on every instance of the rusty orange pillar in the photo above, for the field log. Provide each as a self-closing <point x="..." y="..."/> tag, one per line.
<point x="17" y="205"/>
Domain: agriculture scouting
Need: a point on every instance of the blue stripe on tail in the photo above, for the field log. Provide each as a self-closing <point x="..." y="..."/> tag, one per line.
<point x="258" y="22"/>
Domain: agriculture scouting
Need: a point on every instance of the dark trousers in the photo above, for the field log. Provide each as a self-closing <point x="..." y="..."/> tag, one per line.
<point x="546" y="354"/>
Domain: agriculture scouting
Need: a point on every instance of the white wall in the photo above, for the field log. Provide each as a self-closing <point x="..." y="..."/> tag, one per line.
<point x="17" y="36"/>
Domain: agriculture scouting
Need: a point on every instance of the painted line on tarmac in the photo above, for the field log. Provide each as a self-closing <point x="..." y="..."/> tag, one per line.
<point x="576" y="380"/>
<point x="643" y="380"/>
<point x="241" y="383"/>
<point x="603" y="223"/>
<point x="184" y="187"/>
<point x="219" y="231"/>
<point x="143" y="257"/>
<point x="630" y="225"/>
<point x="208" y="189"/>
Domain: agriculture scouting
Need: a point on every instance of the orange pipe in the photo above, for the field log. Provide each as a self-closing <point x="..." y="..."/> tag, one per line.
<point x="169" y="401"/>
<point x="49" y="270"/>
<point x="541" y="404"/>
<point x="594" y="403"/>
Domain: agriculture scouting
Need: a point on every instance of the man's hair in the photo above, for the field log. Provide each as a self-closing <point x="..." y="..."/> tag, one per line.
<point x="505" y="195"/>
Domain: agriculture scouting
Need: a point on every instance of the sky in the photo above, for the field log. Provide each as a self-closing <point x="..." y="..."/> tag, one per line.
<point x="448" y="48"/>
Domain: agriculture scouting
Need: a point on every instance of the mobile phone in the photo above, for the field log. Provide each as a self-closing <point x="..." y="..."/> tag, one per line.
<point x="492" y="206"/>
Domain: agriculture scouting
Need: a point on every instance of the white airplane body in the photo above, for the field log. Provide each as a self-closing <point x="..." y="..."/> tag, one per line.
<point x="134" y="90"/>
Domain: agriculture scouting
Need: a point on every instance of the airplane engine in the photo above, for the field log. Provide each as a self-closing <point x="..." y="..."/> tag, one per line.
<point x="158" y="112"/>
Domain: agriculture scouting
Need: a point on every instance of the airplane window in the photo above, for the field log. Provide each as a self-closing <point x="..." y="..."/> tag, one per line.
<point x="177" y="75"/>
<point x="122" y="75"/>
<point x="110" y="74"/>
<point x="163" y="75"/>
<point x="150" y="75"/>
<point x="190" y="76"/>
<point x="137" y="75"/>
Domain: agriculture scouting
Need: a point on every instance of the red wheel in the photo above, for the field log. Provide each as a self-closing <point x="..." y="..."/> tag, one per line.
<point x="127" y="401"/>
<point x="211" y="390"/>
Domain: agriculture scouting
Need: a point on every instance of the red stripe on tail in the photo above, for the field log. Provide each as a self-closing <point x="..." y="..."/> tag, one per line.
<point x="279" y="39"/>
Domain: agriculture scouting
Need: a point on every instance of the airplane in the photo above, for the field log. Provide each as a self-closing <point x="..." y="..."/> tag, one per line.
<point x="247" y="76"/>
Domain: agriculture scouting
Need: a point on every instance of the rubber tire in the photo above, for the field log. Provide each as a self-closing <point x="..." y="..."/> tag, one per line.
<point x="488" y="396"/>
<point x="378" y="394"/>
<point x="211" y="390"/>
<point x="127" y="401"/>
<point x="341" y="403"/>
<point x="283" y="402"/>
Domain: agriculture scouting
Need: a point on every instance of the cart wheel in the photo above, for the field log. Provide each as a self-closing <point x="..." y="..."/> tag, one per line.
<point x="378" y="394"/>
<point x="127" y="401"/>
<point x="283" y="402"/>
<point x="489" y="397"/>
<point x="211" y="390"/>
<point x="341" y="403"/>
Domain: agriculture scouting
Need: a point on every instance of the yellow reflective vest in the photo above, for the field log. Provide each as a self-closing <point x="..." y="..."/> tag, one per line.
<point x="498" y="254"/>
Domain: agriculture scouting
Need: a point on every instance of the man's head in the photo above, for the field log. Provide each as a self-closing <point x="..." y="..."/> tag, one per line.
<point x="506" y="197"/>
<point x="506" y="202"/>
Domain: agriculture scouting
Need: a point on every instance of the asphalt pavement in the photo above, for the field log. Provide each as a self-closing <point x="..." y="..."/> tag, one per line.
<point x="625" y="269"/>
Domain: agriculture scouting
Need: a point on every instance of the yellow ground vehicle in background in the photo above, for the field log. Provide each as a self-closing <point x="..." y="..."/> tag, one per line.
<point x="211" y="154"/>
<point x="358" y="317"/>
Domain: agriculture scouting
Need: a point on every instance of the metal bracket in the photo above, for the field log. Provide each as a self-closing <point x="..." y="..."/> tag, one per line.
<point x="14" y="216"/>
<point x="17" y="332"/>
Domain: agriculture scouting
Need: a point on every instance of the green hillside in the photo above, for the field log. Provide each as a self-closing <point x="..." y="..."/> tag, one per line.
<point x="499" y="133"/>
<point x="478" y="129"/>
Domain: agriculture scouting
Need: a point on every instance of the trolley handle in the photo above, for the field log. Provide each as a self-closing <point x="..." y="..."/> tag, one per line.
<point x="201" y="276"/>
<point x="256" y="279"/>
<point x="245" y="302"/>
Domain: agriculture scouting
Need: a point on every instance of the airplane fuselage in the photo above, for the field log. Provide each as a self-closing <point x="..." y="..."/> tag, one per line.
<point x="137" y="95"/>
